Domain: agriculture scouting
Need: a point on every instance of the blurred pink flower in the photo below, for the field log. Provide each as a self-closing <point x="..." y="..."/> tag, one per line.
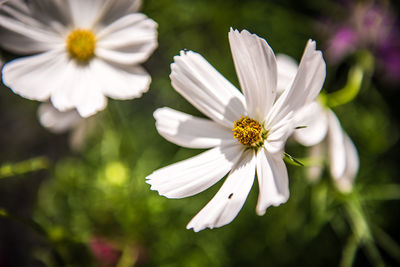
<point x="105" y="253"/>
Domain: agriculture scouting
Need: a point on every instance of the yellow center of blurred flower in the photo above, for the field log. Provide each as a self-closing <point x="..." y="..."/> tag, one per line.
<point x="249" y="132"/>
<point x="81" y="44"/>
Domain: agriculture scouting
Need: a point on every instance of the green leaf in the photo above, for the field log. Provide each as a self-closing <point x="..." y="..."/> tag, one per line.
<point x="291" y="160"/>
<point x="300" y="127"/>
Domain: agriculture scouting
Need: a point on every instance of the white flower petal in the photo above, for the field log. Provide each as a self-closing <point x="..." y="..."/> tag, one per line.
<point x="129" y="40"/>
<point x="315" y="118"/>
<point x="56" y="121"/>
<point x="272" y="179"/>
<point x="256" y="69"/>
<point x="278" y="135"/>
<point x="316" y="154"/>
<point x="345" y="182"/>
<point x="287" y="69"/>
<point x="306" y="86"/>
<point x="336" y="147"/>
<point x="85" y="14"/>
<point x="91" y="13"/>
<point x="80" y="89"/>
<point x="194" y="175"/>
<point x="188" y="131"/>
<point x="23" y="32"/>
<point x="114" y="9"/>
<point x="196" y="80"/>
<point x="120" y="81"/>
<point x="36" y="76"/>
<point x="53" y="14"/>
<point x="229" y="200"/>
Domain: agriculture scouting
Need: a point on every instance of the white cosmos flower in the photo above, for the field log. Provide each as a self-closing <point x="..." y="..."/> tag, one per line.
<point x="323" y="132"/>
<point x="246" y="133"/>
<point x="84" y="51"/>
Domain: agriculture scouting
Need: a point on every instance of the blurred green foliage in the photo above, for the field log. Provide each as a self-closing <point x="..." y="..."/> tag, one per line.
<point x="100" y="191"/>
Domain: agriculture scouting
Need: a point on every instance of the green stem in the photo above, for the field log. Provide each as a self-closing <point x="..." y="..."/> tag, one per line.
<point x="387" y="243"/>
<point x="349" y="252"/>
<point x="361" y="229"/>
<point x="383" y="193"/>
<point x="349" y="91"/>
<point x="128" y="257"/>
<point x="23" y="167"/>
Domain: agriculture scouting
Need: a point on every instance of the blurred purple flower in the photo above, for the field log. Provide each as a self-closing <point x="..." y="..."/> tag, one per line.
<point x="370" y="26"/>
<point x="343" y="42"/>
<point x="389" y="54"/>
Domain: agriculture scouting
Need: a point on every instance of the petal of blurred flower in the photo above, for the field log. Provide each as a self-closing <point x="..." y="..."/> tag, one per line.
<point x="37" y="76"/>
<point x="73" y="75"/>
<point x="315" y="120"/>
<point x="336" y="148"/>
<point x="60" y="122"/>
<point x="194" y="78"/>
<point x="287" y="69"/>
<point x="316" y="154"/>
<point x="129" y="40"/>
<point x="56" y="121"/>
<point x="345" y="182"/>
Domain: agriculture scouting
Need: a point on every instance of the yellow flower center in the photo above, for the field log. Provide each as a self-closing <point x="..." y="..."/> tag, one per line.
<point x="81" y="44"/>
<point x="249" y="132"/>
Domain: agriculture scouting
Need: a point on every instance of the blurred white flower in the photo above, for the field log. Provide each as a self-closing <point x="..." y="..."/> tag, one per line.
<point x="60" y="122"/>
<point x="327" y="138"/>
<point x="287" y="69"/>
<point x="56" y="121"/>
<point x="247" y="132"/>
<point x="322" y="126"/>
<point x="84" y="51"/>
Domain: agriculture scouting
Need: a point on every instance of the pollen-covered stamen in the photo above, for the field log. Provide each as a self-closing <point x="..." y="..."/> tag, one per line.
<point x="81" y="44"/>
<point x="249" y="132"/>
